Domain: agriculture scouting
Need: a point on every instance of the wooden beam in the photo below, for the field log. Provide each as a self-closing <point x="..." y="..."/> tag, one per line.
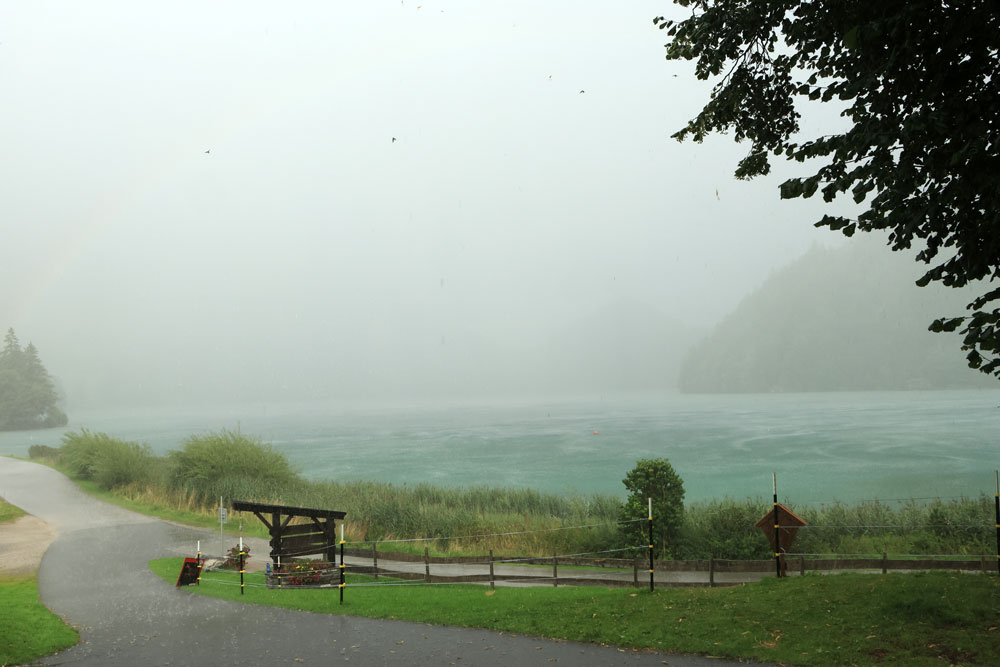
<point x="302" y="545"/>
<point x="261" y="517"/>
<point x="303" y="529"/>
<point x="243" y="506"/>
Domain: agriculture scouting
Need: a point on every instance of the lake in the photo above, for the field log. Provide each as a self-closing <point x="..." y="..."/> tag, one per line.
<point x="823" y="446"/>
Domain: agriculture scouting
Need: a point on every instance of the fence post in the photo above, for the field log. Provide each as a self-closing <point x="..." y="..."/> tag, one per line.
<point x="375" y="560"/>
<point x="802" y="566"/>
<point x="555" y="570"/>
<point x="711" y="571"/>
<point x="885" y="562"/>
<point x="635" y="572"/>
<point x="491" y="569"/>
<point x="427" y="564"/>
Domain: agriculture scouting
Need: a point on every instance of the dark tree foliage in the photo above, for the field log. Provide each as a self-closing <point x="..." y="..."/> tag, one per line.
<point x="27" y="395"/>
<point x="921" y="86"/>
<point x="656" y="479"/>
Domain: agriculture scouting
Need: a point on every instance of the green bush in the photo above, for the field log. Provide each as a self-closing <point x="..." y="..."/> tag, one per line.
<point x="961" y="526"/>
<point x="234" y="466"/>
<point x="43" y="452"/>
<point x="723" y="529"/>
<point x="653" y="479"/>
<point x="79" y="452"/>
<point x="122" y="463"/>
<point x="110" y="462"/>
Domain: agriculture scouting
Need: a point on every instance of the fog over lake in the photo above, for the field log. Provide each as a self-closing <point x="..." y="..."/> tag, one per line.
<point x="241" y="203"/>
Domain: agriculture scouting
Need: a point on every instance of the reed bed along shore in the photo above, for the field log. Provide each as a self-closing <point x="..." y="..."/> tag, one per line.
<point x="186" y="485"/>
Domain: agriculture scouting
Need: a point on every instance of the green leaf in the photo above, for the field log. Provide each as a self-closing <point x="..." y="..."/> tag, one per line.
<point x="851" y="38"/>
<point x="791" y="188"/>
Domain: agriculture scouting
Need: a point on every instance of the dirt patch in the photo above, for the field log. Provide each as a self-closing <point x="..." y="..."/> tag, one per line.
<point x="23" y="543"/>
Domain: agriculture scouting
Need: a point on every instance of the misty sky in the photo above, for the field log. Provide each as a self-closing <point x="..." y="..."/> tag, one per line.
<point x="204" y="201"/>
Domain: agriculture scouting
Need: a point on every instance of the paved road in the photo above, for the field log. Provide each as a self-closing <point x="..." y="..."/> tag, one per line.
<point x="95" y="576"/>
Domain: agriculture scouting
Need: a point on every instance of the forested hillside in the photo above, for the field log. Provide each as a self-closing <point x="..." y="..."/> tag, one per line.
<point x="844" y="319"/>
<point x="27" y="394"/>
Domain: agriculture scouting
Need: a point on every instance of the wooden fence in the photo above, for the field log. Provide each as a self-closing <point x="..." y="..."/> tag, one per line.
<point x="627" y="572"/>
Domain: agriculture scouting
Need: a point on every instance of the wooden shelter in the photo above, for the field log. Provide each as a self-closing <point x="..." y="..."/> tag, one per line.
<point x="319" y="536"/>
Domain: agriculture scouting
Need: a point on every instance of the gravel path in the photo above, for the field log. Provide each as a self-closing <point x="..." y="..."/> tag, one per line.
<point x="95" y="576"/>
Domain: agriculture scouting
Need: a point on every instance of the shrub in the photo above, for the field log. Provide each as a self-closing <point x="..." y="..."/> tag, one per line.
<point x="108" y="461"/>
<point x="43" y="452"/>
<point x="231" y="465"/>
<point x="723" y="529"/>
<point x="656" y="479"/>
<point x="120" y="463"/>
<point x="79" y="452"/>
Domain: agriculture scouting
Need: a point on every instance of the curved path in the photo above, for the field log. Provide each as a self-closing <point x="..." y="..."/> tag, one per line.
<point x="95" y="576"/>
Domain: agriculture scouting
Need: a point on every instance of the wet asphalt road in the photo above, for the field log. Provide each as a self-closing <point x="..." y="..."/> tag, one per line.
<point x="95" y="576"/>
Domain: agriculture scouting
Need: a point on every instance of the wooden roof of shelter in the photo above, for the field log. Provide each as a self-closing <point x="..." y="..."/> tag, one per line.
<point x="241" y="506"/>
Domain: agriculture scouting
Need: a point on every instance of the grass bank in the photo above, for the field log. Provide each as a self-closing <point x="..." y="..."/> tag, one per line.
<point x="897" y="619"/>
<point x="28" y="630"/>
<point x="9" y="513"/>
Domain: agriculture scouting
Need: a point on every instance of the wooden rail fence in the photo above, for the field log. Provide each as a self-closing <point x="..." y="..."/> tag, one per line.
<point x="624" y="572"/>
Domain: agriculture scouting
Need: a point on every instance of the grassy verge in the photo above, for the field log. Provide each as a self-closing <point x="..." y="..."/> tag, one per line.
<point x="9" y="513"/>
<point x="28" y="630"/>
<point x="898" y="619"/>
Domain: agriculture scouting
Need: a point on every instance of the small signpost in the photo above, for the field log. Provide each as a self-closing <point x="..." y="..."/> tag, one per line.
<point x="781" y="531"/>
<point x="190" y="571"/>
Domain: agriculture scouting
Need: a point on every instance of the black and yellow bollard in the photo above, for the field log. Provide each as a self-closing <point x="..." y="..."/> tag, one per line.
<point x="651" y="584"/>
<point x="242" y="566"/>
<point x="777" y="536"/>
<point x="342" y="582"/>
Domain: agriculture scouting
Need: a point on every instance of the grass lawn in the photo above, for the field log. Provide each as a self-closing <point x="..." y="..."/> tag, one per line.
<point x="28" y="630"/>
<point x="9" y="512"/>
<point x="897" y="619"/>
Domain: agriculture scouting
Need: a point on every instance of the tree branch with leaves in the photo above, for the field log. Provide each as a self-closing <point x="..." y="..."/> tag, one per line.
<point x="921" y="86"/>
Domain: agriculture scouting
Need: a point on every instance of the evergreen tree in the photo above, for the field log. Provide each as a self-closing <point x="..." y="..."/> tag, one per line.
<point x="27" y="394"/>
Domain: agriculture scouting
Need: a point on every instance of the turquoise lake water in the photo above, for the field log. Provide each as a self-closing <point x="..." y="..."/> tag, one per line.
<point x="823" y="447"/>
